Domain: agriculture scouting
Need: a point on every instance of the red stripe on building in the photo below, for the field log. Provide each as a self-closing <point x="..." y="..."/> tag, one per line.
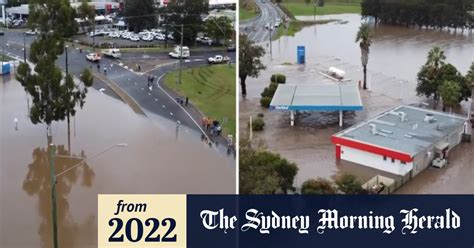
<point x="372" y="149"/>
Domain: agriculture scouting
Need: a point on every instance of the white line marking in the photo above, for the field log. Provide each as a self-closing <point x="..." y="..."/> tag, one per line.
<point x="185" y="111"/>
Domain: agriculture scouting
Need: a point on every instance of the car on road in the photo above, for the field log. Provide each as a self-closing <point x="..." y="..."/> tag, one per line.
<point x="2" y="33"/>
<point x="113" y="53"/>
<point x="231" y="48"/>
<point x="267" y="25"/>
<point x="218" y="59"/>
<point x="93" y="57"/>
<point x="31" y="32"/>
<point x="177" y="52"/>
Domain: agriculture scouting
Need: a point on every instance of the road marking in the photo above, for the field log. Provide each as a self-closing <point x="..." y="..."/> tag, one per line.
<point x="163" y="106"/>
<point x="171" y="113"/>
<point x="156" y="99"/>
<point x="149" y="93"/>
<point x="143" y="88"/>
<point x="179" y="105"/>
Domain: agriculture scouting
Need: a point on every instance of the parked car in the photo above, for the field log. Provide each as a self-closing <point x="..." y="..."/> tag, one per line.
<point x="231" y="48"/>
<point x="93" y="57"/>
<point x="31" y="32"/>
<point x="1" y="33"/>
<point x="135" y="38"/>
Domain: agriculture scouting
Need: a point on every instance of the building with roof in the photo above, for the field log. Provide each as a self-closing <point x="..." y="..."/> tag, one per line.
<point x="316" y="97"/>
<point x="402" y="141"/>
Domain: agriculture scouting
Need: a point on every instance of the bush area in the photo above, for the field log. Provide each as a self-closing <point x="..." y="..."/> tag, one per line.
<point x="258" y="124"/>
<point x="347" y="184"/>
<point x="302" y="8"/>
<point x="264" y="172"/>
<point x="269" y="91"/>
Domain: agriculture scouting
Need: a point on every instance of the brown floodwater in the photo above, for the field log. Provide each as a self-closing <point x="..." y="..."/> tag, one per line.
<point x="159" y="158"/>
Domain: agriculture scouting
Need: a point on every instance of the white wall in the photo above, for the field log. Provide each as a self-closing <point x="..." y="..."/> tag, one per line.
<point x="375" y="161"/>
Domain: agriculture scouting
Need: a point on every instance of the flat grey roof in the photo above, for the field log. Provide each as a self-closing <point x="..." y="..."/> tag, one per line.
<point x="411" y="136"/>
<point x="317" y="97"/>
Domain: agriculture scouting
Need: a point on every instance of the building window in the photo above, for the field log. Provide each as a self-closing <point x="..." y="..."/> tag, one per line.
<point x="384" y="158"/>
<point x="393" y="160"/>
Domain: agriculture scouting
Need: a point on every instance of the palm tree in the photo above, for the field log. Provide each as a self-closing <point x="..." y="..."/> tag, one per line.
<point x="364" y="38"/>
<point x="436" y="58"/>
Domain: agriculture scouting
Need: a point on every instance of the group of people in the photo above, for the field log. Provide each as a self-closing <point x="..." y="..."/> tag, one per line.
<point x="182" y="100"/>
<point x="151" y="79"/>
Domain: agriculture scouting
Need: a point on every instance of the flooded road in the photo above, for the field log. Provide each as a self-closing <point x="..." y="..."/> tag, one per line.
<point x="159" y="158"/>
<point x="395" y="58"/>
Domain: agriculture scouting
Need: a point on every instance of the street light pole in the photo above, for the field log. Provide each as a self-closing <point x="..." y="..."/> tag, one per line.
<point x="24" y="48"/>
<point x="270" y="39"/>
<point x="67" y="65"/>
<point x="52" y="151"/>
<point x="181" y="52"/>
<point x="52" y="156"/>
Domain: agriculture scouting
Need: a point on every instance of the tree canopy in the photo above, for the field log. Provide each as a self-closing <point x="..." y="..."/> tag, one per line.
<point x="218" y="28"/>
<point x="188" y="13"/>
<point x="250" y="63"/>
<point x="141" y="14"/>
<point x="53" y="98"/>
<point x="435" y="72"/>
<point x="264" y="172"/>
<point x="421" y="13"/>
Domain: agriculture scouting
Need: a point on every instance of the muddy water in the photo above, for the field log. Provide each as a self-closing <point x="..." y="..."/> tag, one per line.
<point x="396" y="51"/>
<point x="158" y="159"/>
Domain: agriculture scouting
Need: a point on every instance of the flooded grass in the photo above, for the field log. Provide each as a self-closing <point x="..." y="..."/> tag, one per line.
<point x="211" y="89"/>
<point x="300" y="8"/>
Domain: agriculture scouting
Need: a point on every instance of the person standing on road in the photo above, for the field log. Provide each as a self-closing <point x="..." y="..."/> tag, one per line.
<point x="98" y="67"/>
<point x="105" y="70"/>
<point x="229" y="140"/>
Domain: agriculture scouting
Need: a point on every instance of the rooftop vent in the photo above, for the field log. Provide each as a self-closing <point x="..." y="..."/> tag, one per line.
<point x="403" y="116"/>
<point x="373" y="129"/>
<point x="429" y="118"/>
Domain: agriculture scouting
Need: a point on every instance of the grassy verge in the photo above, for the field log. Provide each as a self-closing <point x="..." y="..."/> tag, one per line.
<point x="211" y="89"/>
<point x="5" y="58"/>
<point x="300" y="8"/>
<point x="247" y="10"/>
<point x="296" y="26"/>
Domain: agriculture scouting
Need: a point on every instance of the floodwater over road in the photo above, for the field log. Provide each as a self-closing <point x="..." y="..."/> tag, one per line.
<point x="159" y="158"/>
<point x="396" y="56"/>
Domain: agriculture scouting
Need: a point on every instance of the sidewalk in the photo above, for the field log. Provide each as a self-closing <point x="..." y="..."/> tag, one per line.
<point x="197" y="116"/>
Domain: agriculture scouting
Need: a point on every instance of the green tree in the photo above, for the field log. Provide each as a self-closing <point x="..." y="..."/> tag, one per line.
<point x="307" y="1"/>
<point x="364" y="38"/>
<point x="263" y="172"/>
<point x="189" y="14"/>
<point x="87" y="14"/>
<point x="219" y="28"/>
<point x="319" y="186"/>
<point x="349" y="184"/>
<point x="450" y="93"/>
<point x="141" y="14"/>
<point x="250" y="64"/>
<point x="51" y="95"/>
<point x="470" y="83"/>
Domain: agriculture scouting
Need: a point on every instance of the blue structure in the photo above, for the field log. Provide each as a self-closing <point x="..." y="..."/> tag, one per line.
<point x="316" y="97"/>
<point x="301" y="55"/>
<point x="4" y="68"/>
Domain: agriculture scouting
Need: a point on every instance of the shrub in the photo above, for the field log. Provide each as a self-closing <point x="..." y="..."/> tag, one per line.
<point x="260" y="115"/>
<point x="349" y="184"/>
<point x="265" y="101"/>
<point x="278" y="78"/>
<point x="258" y="124"/>
<point x="319" y="187"/>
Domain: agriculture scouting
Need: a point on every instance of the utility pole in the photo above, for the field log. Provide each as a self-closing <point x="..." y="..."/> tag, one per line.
<point x="314" y="15"/>
<point x="181" y="52"/>
<point x="67" y="65"/>
<point x="270" y="39"/>
<point x="24" y="48"/>
<point x="52" y="151"/>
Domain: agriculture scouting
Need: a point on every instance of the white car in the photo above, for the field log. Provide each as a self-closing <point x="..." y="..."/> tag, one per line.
<point x="93" y="57"/>
<point x="267" y="25"/>
<point x="160" y="37"/>
<point x="135" y="38"/>
<point x="218" y="59"/>
<point x="148" y="37"/>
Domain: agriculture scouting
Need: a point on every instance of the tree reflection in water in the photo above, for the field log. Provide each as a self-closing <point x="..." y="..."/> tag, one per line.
<point x="38" y="182"/>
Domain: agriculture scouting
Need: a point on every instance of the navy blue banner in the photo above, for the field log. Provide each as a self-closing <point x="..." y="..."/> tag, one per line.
<point x="330" y="221"/>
